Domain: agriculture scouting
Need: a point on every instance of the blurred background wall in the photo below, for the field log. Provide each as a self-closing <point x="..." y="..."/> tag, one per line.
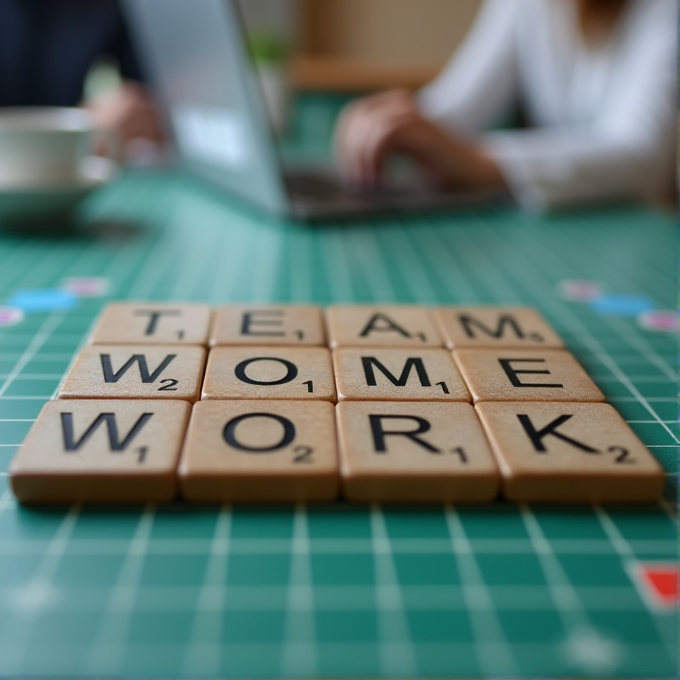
<point x="354" y="45"/>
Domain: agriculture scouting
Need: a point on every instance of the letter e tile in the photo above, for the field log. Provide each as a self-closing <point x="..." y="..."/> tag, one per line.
<point x="525" y="375"/>
<point x="272" y="325"/>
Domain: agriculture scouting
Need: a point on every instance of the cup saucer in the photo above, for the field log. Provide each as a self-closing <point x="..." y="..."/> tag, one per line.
<point x="54" y="200"/>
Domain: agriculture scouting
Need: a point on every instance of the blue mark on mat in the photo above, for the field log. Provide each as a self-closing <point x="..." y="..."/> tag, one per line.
<point x="45" y="300"/>
<point x="622" y="305"/>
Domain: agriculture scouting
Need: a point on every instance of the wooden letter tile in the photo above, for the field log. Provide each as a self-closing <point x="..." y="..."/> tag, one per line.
<point x="135" y="372"/>
<point x="271" y="325"/>
<point x="258" y="451"/>
<point x="101" y="451"/>
<point x="567" y="452"/>
<point x="152" y="323"/>
<point x="383" y="326"/>
<point x="414" y="452"/>
<point x="269" y="373"/>
<point x="376" y="374"/>
<point x="525" y="375"/>
<point x="495" y="327"/>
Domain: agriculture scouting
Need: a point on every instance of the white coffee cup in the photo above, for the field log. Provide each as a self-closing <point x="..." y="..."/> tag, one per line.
<point x="47" y="146"/>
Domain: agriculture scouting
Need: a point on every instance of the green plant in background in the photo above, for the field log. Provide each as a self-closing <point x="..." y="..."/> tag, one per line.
<point x="267" y="48"/>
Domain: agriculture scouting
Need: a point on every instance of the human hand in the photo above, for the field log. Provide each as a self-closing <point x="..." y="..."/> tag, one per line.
<point x="129" y="112"/>
<point x="373" y="129"/>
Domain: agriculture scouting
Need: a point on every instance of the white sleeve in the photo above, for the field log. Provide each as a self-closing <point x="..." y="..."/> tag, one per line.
<point x="479" y="84"/>
<point x="627" y="151"/>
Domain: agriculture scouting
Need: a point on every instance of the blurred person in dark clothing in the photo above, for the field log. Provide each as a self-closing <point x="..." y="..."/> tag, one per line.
<point x="47" y="48"/>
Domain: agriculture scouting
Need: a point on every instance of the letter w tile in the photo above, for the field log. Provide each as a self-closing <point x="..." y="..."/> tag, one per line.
<point x="115" y="443"/>
<point x="110" y="376"/>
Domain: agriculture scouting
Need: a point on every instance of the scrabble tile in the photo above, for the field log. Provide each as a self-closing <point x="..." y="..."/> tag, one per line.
<point x="525" y="375"/>
<point x="100" y="450"/>
<point x="269" y="373"/>
<point x="135" y="372"/>
<point x="381" y="326"/>
<point x="377" y="374"/>
<point x="152" y="323"/>
<point x="569" y="452"/>
<point x="414" y="452"/>
<point x="495" y="327"/>
<point x="260" y="451"/>
<point x="270" y="325"/>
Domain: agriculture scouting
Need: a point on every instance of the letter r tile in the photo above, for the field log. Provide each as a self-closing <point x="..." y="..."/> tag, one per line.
<point x="98" y="450"/>
<point x="135" y="372"/>
<point x="271" y="325"/>
<point x="525" y="375"/>
<point x="381" y="326"/>
<point x="495" y="327"/>
<point x="414" y="452"/>
<point x="260" y="451"/>
<point x="569" y="452"/>
<point x="379" y="374"/>
<point x="269" y="373"/>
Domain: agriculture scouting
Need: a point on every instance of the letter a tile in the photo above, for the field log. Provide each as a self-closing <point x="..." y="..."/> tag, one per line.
<point x="414" y="452"/>
<point x="496" y="327"/>
<point x="568" y="452"/>
<point x="271" y="451"/>
<point x="525" y="375"/>
<point x="153" y="323"/>
<point x="377" y="374"/>
<point x="272" y="325"/>
<point x="101" y="451"/>
<point x="269" y="373"/>
<point x="384" y="326"/>
<point x="135" y="372"/>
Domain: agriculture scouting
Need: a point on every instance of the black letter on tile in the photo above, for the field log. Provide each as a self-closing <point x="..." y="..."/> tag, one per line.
<point x="537" y="436"/>
<point x="379" y="433"/>
<point x="287" y="438"/>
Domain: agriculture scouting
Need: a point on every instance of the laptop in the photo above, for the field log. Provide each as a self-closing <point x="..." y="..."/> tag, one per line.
<point x="195" y="54"/>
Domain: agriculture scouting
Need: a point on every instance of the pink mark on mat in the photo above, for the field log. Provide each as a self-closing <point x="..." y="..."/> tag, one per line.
<point x="10" y="316"/>
<point x="660" y="321"/>
<point x="580" y="291"/>
<point x="86" y="286"/>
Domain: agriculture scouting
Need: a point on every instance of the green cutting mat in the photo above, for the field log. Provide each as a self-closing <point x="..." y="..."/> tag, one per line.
<point x="337" y="590"/>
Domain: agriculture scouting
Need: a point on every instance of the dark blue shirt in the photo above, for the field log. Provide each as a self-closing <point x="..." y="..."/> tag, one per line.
<point x="47" y="47"/>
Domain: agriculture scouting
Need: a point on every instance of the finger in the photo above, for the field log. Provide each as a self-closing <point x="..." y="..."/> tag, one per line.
<point x="352" y="120"/>
<point x="347" y="132"/>
<point x="383" y="137"/>
<point x="353" y="145"/>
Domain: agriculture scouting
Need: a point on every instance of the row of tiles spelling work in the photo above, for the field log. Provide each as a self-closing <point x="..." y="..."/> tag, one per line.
<point x="96" y="450"/>
<point x="137" y="323"/>
<point x="316" y="374"/>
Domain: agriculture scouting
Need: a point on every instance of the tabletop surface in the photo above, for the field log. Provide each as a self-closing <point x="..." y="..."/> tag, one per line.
<point x="339" y="590"/>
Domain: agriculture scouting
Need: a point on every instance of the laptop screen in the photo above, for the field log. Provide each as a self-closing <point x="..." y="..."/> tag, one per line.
<point x="194" y="52"/>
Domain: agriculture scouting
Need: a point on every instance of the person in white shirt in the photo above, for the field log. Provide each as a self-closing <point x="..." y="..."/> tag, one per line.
<point x="596" y="80"/>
